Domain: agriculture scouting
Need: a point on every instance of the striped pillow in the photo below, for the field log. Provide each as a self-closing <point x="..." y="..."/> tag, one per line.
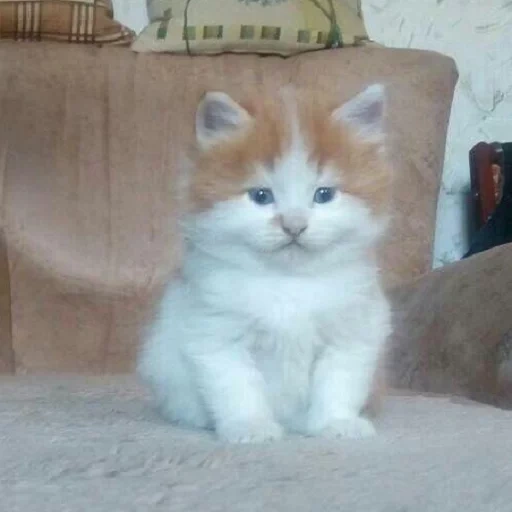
<point x="74" y="21"/>
<point x="281" y="27"/>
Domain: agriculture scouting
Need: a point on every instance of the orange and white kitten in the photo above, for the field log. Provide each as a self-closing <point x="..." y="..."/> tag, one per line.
<point x="277" y="319"/>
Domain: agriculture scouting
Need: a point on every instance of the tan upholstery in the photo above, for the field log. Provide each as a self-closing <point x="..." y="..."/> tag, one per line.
<point x="89" y="145"/>
<point x="90" y="140"/>
<point x="451" y="328"/>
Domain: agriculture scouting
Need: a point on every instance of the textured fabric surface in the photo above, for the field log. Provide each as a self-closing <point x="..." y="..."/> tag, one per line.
<point x="451" y="328"/>
<point x="90" y="143"/>
<point x="74" y="21"/>
<point x="282" y="27"/>
<point x="6" y="352"/>
<point x="97" y="446"/>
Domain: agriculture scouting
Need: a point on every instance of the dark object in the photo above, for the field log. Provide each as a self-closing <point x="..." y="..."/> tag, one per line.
<point x="491" y="191"/>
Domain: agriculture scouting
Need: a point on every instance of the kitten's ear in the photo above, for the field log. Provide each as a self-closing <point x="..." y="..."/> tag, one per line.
<point x="218" y="118"/>
<point x="365" y="113"/>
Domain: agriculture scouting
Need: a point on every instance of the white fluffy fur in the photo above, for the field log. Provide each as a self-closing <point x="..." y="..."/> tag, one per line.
<point x="254" y="338"/>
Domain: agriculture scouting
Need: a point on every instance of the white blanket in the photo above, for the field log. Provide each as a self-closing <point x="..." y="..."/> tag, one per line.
<point x="95" y="444"/>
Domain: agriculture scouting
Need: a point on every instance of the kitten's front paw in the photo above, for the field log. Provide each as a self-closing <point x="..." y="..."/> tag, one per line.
<point x="348" y="428"/>
<point x="250" y="432"/>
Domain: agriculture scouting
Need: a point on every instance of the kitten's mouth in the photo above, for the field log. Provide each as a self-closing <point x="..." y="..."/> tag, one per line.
<point x="293" y="243"/>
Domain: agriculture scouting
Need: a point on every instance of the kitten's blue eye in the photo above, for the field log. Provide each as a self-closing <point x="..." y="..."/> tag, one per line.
<point x="324" y="195"/>
<point x="261" y="196"/>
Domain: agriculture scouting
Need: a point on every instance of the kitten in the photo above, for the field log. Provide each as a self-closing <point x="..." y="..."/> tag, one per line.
<point x="277" y="319"/>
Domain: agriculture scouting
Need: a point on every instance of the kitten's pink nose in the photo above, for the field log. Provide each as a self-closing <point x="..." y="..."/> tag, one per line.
<point x="293" y="224"/>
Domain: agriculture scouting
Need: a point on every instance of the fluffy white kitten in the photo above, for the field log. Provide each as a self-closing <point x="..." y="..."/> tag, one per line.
<point x="277" y="319"/>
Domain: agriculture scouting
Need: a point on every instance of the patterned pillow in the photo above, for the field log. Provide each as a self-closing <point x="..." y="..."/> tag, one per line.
<point x="281" y="27"/>
<point x="74" y="21"/>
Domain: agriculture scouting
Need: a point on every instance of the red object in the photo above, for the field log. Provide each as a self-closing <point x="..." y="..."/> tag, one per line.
<point x="487" y="179"/>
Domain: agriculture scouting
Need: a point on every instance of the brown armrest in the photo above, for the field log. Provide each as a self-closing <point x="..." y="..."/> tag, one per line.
<point x="450" y="327"/>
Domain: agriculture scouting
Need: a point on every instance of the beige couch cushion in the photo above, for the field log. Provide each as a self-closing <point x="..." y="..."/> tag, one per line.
<point x="74" y="21"/>
<point x="282" y="27"/>
<point x="96" y="445"/>
<point x="451" y="329"/>
<point x="89" y="146"/>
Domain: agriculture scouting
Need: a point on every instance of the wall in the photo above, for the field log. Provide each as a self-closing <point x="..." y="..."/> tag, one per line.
<point x="131" y="13"/>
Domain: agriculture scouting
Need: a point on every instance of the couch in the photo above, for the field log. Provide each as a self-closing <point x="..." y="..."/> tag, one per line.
<point x="90" y="140"/>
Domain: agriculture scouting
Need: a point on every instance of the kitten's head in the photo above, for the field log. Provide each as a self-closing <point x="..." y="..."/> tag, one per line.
<point x="287" y="180"/>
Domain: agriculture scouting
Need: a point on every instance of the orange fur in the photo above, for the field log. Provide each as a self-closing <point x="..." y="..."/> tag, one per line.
<point x="223" y="171"/>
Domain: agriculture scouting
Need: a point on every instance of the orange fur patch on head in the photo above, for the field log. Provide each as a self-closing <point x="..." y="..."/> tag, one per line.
<point x="223" y="171"/>
<point x="361" y="164"/>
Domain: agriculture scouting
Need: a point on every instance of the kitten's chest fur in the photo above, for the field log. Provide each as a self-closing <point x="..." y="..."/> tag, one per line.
<point x="283" y="305"/>
<point x="285" y="357"/>
<point x="286" y="323"/>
